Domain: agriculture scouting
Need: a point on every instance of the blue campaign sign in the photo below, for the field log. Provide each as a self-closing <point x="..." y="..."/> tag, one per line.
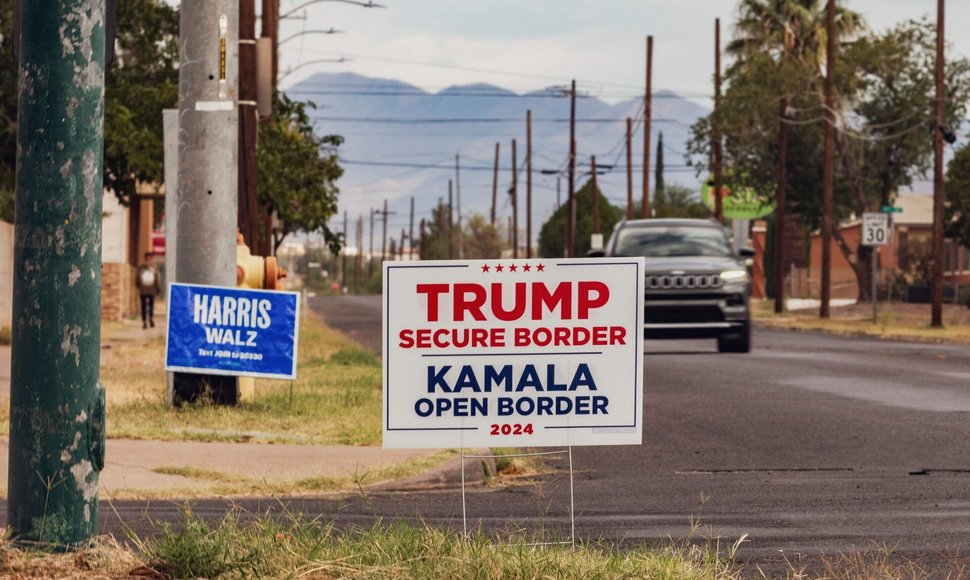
<point x="230" y="331"/>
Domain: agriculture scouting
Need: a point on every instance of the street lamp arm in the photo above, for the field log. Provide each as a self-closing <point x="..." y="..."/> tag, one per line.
<point x="292" y="36"/>
<point x="309" y="62"/>
<point x="368" y="4"/>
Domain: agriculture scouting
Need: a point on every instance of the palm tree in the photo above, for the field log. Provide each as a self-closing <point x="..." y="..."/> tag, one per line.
<point x="789" y="30"/>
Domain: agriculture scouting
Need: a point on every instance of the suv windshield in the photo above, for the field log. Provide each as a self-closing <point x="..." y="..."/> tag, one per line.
<point x="672" y="240"/>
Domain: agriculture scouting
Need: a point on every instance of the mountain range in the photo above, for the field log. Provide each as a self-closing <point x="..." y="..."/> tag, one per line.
<point x="401" y="142"/>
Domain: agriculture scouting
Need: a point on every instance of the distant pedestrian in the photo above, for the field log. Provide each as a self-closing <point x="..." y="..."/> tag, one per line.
<point x="149" y="286"/>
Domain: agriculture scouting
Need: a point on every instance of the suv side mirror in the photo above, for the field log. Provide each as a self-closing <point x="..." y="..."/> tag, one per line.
<point x="596" y="253"/>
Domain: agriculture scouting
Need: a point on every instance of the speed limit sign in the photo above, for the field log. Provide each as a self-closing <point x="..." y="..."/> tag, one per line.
<point x="875" y="229"/>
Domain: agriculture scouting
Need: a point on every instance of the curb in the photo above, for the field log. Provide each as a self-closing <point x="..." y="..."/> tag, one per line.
<point x="479" y="467"/>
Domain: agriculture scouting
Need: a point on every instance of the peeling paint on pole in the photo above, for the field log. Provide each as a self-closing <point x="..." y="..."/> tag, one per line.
<point x="56" y="401"/>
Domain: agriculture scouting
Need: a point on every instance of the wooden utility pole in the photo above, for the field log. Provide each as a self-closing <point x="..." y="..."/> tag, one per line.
<point x="421" y="252"/>
<point x="528" y="184"/>
<point x="780" y="209"/>
<point x="511" y="240"/>
<point x="270" y="28"/>
<point x="359" y="240"/>
<point x="343" y="255"/>
<point x="494" y="184"/>
<point x="647" y="117"/>
<point x="384" y="243"/>
<point x="570" y="202"/>
<point x="937" y="286"/>
<point x="370" y="254"/>
<point x="461" y="247"/>
<point x="451" y="222"/>
<point x="596" y="198"/>
<point x="400" y="249"/>
<point x="411" y="232"/>
<point x="829" y="167"/>
<point x="715" y="127"/>
<point x="629" y="168"/>
<point x="515" y="204"/>
<point x="248" y="211"/>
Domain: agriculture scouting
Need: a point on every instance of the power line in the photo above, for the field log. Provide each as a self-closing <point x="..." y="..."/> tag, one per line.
<point x="469" y="120"/>
<point x="448" y="167"/>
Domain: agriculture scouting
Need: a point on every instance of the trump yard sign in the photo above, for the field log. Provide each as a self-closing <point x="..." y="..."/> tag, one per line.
<point x="513" y="353"/>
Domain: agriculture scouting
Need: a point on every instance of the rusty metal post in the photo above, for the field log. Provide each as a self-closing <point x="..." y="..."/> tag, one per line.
<point x="56" y="402"/>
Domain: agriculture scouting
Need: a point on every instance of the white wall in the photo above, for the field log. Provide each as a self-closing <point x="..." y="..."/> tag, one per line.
<point x="114" y="236"/>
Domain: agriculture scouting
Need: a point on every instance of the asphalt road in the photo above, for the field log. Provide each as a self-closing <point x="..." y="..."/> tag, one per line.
<point x="810" y="444"/>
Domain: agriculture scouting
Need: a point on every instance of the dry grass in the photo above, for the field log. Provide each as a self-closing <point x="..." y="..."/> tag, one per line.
<point x="335" y="400"/>
<point x="896" y="321"/>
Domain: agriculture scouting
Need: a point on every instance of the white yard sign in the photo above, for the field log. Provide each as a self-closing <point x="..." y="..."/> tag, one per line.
<point x="875" y="229"/>
<point x="513" y="353"/>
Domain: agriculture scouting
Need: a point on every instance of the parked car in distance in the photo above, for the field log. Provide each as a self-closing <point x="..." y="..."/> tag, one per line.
<point x="696" y="285"/>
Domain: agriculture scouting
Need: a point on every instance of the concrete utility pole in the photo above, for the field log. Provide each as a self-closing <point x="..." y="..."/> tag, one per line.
<point x="780" y="210"/>
<point x="715" y="127"/>
<point x="208" y="164"/>
<point x="56" y="449"/>
<point x="495" y="184"/>
<point x="629" y="168"/>
<point x="647" y="118"/>
<point x="570" y="203"/>
<point x="528" y="184"/>
<point x="515" y="204"/>
<point x="937" y="286"/>
<point x="828" y="172"/>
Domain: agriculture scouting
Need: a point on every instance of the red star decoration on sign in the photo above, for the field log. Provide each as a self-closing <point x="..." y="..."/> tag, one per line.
<point x="526" y="268"/>
<point x="513" y="268"/>
<point x="499" y="267"/>
<point x="540" y="267"/>
<point x="484" y="267"/>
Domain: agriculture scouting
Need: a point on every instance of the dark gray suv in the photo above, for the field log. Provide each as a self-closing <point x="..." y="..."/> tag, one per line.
<point x="696" y="285"/>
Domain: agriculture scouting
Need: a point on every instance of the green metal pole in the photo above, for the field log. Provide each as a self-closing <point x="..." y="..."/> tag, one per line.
<point x="56" y="402"/>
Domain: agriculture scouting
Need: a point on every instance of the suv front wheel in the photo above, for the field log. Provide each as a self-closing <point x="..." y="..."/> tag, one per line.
<point x="740" y="342"/>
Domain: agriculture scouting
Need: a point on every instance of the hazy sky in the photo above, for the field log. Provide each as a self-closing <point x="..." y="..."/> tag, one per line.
<point x="530" y="44"/>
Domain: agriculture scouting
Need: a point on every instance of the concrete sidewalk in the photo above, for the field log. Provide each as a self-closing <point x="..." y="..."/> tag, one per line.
<point x="130" y="466"/>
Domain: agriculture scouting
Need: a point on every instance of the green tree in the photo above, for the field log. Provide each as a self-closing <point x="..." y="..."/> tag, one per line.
<point x="8" y="112"/>
<point x="481" y="239"/>
<point x="680" y="202"/>
<point x="141" y="83"/>
<point x="298" y="172"/>
<point x="436" y="244"/>
<point x="885" y="88"/>
<point x="958" y="196"/>
<point x="552" y="236"/>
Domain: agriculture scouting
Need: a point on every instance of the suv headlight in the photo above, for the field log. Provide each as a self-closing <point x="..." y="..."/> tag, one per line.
<point x="734" y="275"/>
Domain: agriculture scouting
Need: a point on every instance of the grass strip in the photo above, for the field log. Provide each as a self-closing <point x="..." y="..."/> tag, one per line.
<point x="335" y="401"/>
